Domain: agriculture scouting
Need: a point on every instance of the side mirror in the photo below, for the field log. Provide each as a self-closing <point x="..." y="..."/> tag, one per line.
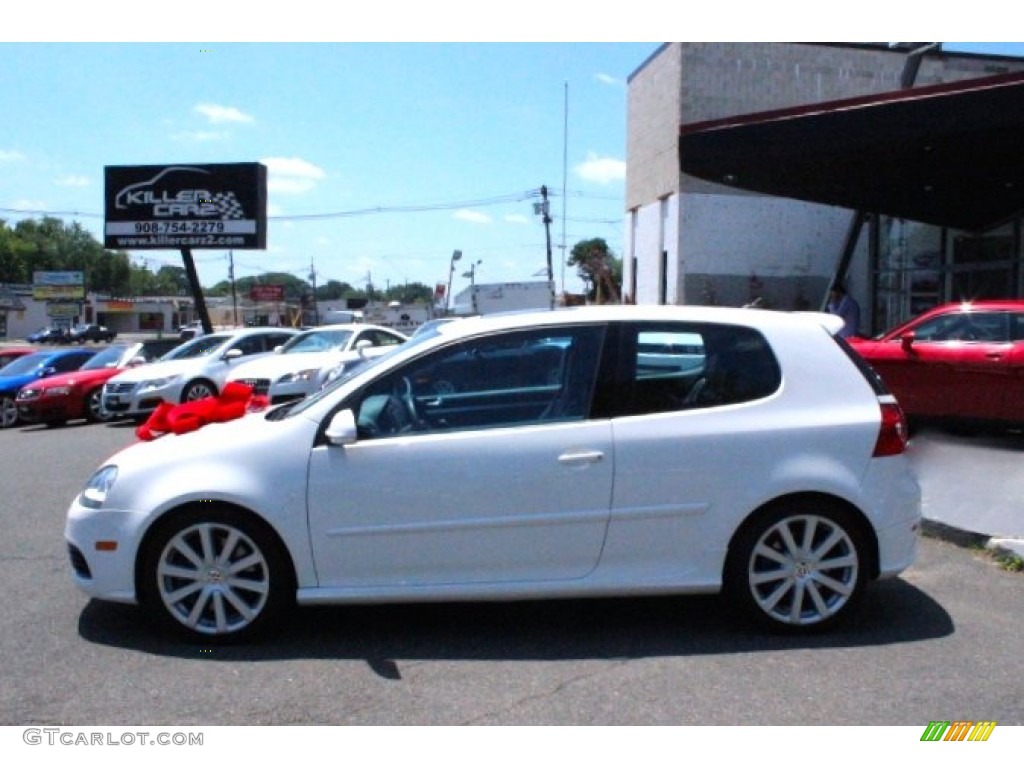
<point x="342" y="429"/>
<point x="47" y="371"/>
<point x="907" y="340"/>
<point x="232" y="354"/>
<point x="278" y="348"/>
<point x="136" y="361"/>
<point x="362" y="346"/>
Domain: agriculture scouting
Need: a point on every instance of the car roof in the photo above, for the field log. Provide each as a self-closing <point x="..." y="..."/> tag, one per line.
<point x="635" y="313"/>
<point x="980" y="304"/>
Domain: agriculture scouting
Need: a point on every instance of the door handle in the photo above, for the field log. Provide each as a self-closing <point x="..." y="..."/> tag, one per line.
<point x="581" y="457"/>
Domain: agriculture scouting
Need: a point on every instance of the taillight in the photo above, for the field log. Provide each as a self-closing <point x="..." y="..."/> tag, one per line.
<point x="893" y="434"/>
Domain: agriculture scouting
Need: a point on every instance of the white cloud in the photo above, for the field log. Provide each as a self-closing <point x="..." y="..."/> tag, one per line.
<point x="601" y="77"/>
<point x="217" y="113"/>
<point x="11" y="156"/>
<point x="473" y="216"/>
<point x="72" y="181"/>
<point x="292" y="175"/>
<point x="601" y="170"/>
<point x="517" y="218"/>
<point x="30" y="205"/>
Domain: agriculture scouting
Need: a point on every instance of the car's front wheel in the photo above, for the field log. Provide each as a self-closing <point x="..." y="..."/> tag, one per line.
<point x="798" y="566"/>
<point x="94" y="410"/>
<point x="8" y="412"/>
<point x="197" y="390"/>
<point x="215" y="576"/>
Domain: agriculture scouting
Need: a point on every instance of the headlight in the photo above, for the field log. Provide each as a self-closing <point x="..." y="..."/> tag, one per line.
<point x="95" y="492"/>
<point x="159" y="383"/>
<point x="307" y="375"/>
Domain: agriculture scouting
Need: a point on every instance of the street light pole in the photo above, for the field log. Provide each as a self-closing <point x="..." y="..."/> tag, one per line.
<point x="456" y="255"/>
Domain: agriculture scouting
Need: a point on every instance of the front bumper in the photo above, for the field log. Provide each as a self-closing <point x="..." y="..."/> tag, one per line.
<point x="102" y="545"/>
<point x="137" y="402"/>
<point x="47" y="409"/>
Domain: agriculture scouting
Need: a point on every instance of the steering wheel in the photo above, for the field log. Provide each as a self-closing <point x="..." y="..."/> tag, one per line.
<point x="403" y="390"/>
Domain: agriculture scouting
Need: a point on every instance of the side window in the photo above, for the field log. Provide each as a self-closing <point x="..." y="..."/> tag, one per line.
<point x="275" y="340"/>
<point x="69" y="363"/>
<point x="250" y="345"/>
<point x="965" y="326"/>
<point x="497" y="381"/>
<point x="1017" y="327"/>
<point x="674" y="367"/>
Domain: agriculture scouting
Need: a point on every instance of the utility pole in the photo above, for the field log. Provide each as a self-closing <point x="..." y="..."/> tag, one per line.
<point x="312" y="279"/>
<point x="545" y="211"/>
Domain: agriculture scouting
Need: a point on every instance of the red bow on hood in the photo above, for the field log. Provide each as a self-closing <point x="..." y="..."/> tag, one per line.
<point x="233" y="402"/>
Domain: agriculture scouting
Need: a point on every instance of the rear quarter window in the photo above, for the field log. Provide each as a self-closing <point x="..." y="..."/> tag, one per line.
<point x="683" y="366"/>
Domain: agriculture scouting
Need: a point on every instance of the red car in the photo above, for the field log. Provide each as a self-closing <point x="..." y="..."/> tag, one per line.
<point x="958" y="361"/>
<point x="79" y="394"/>
<point x="8" y="354"/>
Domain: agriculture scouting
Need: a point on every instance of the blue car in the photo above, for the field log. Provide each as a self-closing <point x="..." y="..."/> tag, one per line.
<point x="27" y="369"/>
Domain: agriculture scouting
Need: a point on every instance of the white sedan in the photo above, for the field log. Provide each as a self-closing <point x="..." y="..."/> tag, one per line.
<point x="198" y="368"/>
<point x="526" y="456"/>
<point x="301" y="366"/>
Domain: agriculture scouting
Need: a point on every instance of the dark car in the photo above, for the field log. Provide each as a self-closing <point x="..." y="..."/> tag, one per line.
<point x="98" y="333"/>
<point x="957" y="362"/>
<point x="53" y="335"/>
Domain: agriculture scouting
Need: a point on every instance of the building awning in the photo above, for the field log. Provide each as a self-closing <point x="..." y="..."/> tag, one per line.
<point x="950" y="155"/>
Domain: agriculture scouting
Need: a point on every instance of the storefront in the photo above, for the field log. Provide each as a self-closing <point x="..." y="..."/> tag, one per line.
<point x="936" y="175"/>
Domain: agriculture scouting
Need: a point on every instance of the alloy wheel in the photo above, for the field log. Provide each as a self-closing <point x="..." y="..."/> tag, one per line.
<point x="213" y="578"/>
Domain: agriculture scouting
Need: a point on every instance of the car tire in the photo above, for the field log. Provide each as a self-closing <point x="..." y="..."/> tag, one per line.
<point x="197" y="390"/>
<point x="215" y="575"/>
<point x="798" y="566"/>
<point x="8" y="412"/>
<point x="94" y="411"/>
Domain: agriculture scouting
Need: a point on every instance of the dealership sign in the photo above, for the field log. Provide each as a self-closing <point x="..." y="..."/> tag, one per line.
<point x="186" y="206"/>
<point x="58" y="286"/>
<point x="266" y="293"/>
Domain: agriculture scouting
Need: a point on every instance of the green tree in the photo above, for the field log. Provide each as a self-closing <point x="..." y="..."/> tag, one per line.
<point x="410" y="293"/>
<point x="598" y="267"/>
<point x="333" y="290"/>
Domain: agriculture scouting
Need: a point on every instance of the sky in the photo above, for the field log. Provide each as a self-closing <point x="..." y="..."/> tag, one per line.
<point x="383" y="157"/>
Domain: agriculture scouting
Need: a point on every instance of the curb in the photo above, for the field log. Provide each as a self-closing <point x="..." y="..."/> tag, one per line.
<point x="999" y="545"/>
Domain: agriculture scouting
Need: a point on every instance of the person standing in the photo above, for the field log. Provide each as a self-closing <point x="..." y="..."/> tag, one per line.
<point x="845" y="306"/>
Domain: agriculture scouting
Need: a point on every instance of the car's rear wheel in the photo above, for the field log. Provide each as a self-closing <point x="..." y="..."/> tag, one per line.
<point x="800" y="565"/>
<point x="215" y="576"/>
<point x="197" y="390"/>
<point x="8" y="412"/>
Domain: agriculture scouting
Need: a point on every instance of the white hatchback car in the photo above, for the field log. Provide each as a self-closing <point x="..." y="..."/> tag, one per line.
<point x="196" y="369"/>
<point x="299" y="367"/>
<point x="526" y="456"/>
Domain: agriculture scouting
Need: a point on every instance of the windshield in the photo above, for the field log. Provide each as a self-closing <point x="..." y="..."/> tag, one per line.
<point x="23" y="365"/>
<point x="200" y="347"/>
<point x="108" y="358"/>
<point x="317" y="341"/>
